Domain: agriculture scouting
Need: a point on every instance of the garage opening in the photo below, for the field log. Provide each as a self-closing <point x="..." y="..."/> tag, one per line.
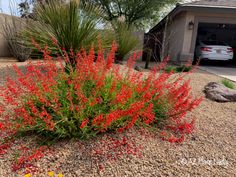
<point x="225" y="33"/>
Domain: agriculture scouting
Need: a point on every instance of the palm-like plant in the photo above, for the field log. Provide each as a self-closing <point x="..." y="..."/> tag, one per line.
<point x="72" y="26"/>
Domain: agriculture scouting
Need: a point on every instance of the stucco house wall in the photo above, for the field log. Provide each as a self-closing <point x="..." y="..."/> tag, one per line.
<point x="173" y="37"/>
<point x="179" y="39"/>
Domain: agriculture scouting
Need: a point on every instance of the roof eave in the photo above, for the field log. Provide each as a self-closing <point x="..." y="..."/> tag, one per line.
<point x="182" y="7"/>
<point x="163" y="21"/>
<point x="207" y="6"/>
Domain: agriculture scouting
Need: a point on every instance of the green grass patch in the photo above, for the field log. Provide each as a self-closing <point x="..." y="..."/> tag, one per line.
<point x="228" y="83"/>
<point x="178" y="69"/>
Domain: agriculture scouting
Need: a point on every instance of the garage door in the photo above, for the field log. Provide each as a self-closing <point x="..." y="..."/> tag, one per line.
<point x="220" y="32"/>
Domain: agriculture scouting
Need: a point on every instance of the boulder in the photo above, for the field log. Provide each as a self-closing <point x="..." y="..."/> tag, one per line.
<point x="218" y="92"/>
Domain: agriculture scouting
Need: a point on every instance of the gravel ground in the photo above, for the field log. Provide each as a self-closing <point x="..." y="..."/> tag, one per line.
<point x="209" y="151"/>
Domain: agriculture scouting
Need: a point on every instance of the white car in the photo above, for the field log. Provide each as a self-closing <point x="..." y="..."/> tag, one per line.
<point x="213" y="50"/>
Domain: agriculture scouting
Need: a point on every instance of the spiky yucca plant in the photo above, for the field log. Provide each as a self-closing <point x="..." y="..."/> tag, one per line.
<point x="72" y="26"/>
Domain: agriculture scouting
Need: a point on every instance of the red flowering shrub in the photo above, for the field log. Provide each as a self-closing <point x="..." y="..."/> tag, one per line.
<point x="94" y="97"/>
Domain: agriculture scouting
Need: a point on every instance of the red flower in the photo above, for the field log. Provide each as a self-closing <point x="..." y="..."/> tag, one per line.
<point x="173" y="139"/>
<point x="84" y="123"/>
<point x="1" y="125"/>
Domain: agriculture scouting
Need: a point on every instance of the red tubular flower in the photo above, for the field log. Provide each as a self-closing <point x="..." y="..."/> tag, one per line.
<point x="36" y="44"/>
<point x="1" y="126"/>
<point x="4" y="147"/>
<point x="132" y="122"/>
<point x="173" y="139"/>
<point x="123" y="95"/>
<point x="84" y="123"/>
<point x="185" y="128"/>
<point x="111" y="56"/>
<point x="54" y="41"/>
<point x="98" y="121"/>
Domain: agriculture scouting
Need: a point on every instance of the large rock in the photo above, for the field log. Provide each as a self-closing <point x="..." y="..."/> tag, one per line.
<point x="220" y="93"/>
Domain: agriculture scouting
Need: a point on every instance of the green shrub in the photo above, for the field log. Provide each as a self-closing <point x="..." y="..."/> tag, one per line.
<point x="71" y="25"/>
<point x="228" y="83"/>
<point x="125" y="38"/>
<point x="94" y="98"/>
<point x="169" y="69"/>
<point x="178" y="69"/>
<point x="183" y="68"/>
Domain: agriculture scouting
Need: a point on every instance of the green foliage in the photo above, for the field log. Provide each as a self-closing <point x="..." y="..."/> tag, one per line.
<point x="228" y="83"/>
<point x="183" y="68"/>
<point x="135" y="12"/>
<point x="169" y="69"/>
<point x="70" y="24"/>
<point x="178" y="69"/>
<point x="125" y="38"/>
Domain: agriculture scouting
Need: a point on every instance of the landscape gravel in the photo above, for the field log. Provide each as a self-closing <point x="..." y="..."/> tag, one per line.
<point x="209" y="151"/>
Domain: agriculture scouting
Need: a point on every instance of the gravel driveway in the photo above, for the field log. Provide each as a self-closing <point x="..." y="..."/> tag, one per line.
<point x="209" y="151"/>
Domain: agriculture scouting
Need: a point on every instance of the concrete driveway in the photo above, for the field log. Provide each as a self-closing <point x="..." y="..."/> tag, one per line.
<point x="225" y="72"/>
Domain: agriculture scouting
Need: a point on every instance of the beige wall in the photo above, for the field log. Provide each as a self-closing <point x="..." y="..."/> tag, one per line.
<point x="186" y="53"/>
<point x="174" y="37"/>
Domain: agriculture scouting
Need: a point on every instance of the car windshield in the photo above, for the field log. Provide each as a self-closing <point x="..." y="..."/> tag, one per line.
<point x="214" y="43"/>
